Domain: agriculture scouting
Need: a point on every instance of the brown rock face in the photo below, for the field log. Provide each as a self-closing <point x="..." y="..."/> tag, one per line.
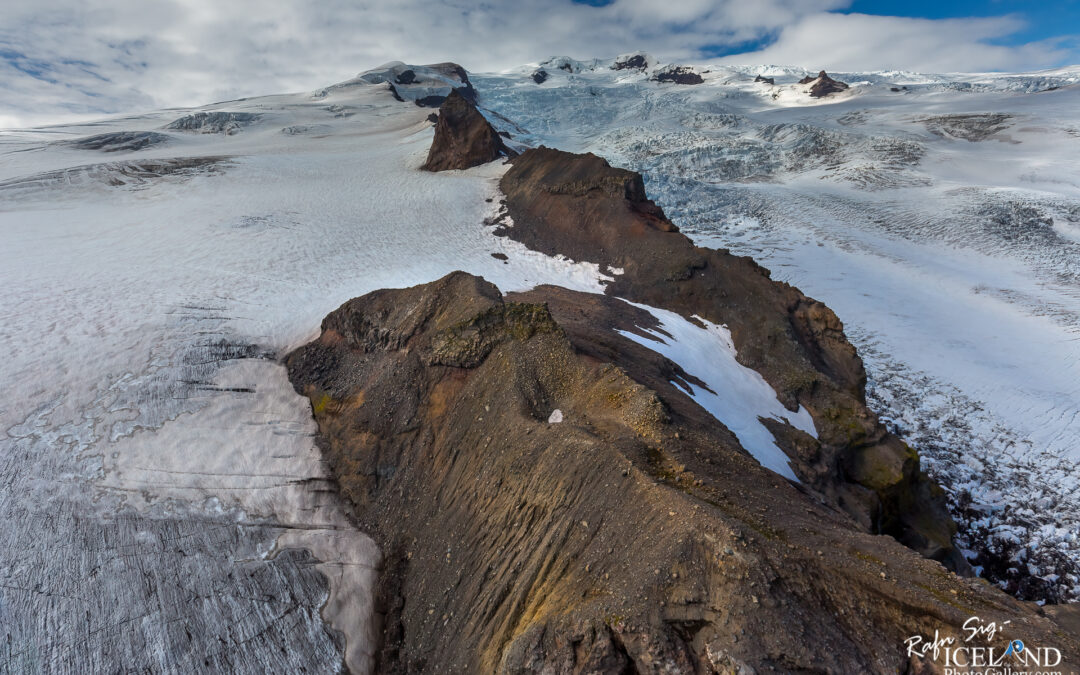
<point x="634" y="536"/>
<point x="823" y="85"/>
<point x="580" y="207"/>
<point x="463" y="138"/>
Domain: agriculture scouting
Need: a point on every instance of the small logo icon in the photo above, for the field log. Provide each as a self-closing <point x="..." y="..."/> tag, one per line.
<point x="1015" y="647"/>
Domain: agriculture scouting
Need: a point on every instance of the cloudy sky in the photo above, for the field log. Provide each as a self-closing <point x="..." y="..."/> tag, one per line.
<point x="65" y="59"/>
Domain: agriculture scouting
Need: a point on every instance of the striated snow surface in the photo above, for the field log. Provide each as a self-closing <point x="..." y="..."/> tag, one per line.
<point x="164" y="506"/>
<point x="938" y="215"/>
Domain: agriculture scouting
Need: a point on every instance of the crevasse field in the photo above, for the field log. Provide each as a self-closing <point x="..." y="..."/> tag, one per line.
<point x="164" y="505"/>
<point x="938" y="215"/>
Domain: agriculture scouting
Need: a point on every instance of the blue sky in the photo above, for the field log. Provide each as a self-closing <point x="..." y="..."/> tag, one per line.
<point x="61" y="59"/>
<point x="1043" y="20"/>
<point x="1057" y="19"/>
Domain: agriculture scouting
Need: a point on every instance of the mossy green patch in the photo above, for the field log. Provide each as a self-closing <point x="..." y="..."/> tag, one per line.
<point x="322" y="403"/>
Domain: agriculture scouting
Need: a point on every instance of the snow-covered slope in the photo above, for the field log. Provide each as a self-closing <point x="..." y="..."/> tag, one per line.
<point x="161" y="488"/>
<point x="938" y="215"/>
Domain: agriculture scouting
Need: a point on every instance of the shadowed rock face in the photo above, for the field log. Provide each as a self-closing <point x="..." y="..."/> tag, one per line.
<point x="463" y="138"/>
<point x="678" y="75"/>
<point x="631" y="62"/>
<point x="823" y="85"/>
<point x="632" y="536"/>
<point x="766" y="80"/>
<point x="580" y="207"/>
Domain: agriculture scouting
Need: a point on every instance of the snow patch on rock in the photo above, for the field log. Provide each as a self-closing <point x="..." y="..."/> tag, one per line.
<point x="735" y="395"/>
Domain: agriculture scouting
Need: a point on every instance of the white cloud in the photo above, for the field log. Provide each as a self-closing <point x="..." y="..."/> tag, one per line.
<point x="61" y="58"/>
<point x="855" y="42"/>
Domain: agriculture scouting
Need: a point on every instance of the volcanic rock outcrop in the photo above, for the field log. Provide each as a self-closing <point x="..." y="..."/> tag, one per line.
<point x="635" y="61"/>
<point x="580" y="207"/>
<point x="463" y="138"/>
<point x="549" y="499"/>
<point x="678" y="75"/>
<point x="543" y="508"/>
<point x="823" y="85"/>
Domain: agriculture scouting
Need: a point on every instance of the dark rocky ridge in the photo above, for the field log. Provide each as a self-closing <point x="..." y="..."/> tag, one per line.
<point x="766" y="80"/>
<point x="678" y="75"/>
<point x="227" y="123"/>
<point x="580" y="207"/>
<point x="463" y="138"/>
<point x="634" y="536"/>
<point x="120" y="141"/>
<point x="631" y="62"/>
<point x="823" y="85"/>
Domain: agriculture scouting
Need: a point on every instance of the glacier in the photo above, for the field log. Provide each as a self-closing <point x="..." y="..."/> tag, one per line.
<point x="165" y="505"/>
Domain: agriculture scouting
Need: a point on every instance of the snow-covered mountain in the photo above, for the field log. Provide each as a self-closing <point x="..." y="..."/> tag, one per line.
<point x="161" y="482"/>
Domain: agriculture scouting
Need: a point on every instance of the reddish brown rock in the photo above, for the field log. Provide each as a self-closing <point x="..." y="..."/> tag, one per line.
<point x="463" y="138"/>
<point x="823" y="85"/>
<point x="634" y="535"/>
<point x="580" y="207"/>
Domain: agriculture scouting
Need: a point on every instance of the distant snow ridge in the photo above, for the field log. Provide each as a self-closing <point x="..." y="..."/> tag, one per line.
<point x="569" y="65"/>
<point x="634" y="61"/>
<point x="227" y="123"/>
<point x="426" y="86"/>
